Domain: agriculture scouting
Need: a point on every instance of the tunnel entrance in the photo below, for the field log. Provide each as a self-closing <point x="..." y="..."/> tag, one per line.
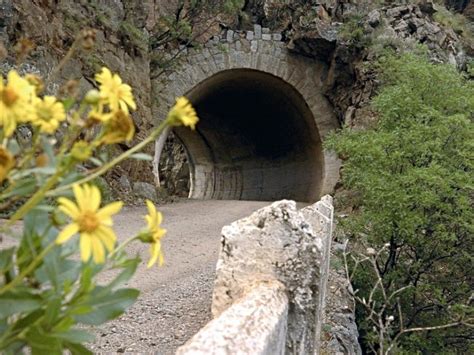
<point x="256" y="140"/>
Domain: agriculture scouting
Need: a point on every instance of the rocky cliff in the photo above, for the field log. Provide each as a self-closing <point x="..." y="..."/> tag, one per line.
<point x="136" y="39"/>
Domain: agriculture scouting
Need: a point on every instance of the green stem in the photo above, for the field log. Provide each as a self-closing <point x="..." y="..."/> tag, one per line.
<point x="28" y="270"/>
<point x="104" y="168"/>
<point x="122" y="246"/>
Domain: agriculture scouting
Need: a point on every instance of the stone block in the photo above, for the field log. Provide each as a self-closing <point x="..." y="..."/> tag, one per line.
<point x="253" y="46"/>
<point x="230" y="36"/>
<point x="275" y="243"/>
<point x="257" y="29"/>
<point x="249" y="35"/>
<point x="256" y="324"/>
<point x="277" y="37"/>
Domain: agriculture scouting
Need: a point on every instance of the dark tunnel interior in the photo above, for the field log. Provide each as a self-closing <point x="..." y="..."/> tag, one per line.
<point x="256" y="140"/>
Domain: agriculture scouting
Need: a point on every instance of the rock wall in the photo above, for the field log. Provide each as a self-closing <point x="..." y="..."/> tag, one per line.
<point x="271" y="287"/>
<point x="347" y="34"/>
<point x="123" y="29"/>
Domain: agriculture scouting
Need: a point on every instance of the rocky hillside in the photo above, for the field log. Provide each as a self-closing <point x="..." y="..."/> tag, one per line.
<point x="137" y="39"/>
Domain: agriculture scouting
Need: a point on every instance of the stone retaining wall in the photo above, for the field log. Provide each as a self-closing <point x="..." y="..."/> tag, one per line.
<point x="271" y="279"/>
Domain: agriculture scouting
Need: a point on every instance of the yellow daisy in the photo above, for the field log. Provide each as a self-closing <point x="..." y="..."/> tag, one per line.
<point x="15" y="102"/>
<point x="49" y="113"/>
<point x="154" y="234"/>
<point x="93" y="224"/>
<point x="183" y="113"/>
<point x="117" y="94"/>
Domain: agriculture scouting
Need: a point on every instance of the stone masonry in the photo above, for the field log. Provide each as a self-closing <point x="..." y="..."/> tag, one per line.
<point x="261" y="57"/>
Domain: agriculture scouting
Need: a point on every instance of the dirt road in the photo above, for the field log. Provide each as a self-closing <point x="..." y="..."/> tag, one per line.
<point x="175" y="299"/>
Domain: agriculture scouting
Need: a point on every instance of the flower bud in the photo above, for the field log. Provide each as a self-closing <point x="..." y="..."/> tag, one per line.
<point x="92" y="97"/>
<point x="146" y="236"/>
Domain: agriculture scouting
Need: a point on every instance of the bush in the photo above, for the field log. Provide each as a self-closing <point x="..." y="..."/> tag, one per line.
<point x="411" y="176"/>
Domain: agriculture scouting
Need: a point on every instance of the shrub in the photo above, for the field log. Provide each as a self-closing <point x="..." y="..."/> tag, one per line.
<point x="412" y="178"/>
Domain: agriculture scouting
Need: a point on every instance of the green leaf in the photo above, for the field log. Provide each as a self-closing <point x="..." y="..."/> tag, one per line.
<point x="129" y="266"/>
<point x="48" y="170"/>
<point x="42" y="343"/>
<point x="76" y="336"/>
<point x="22" y="188"/>
<point x="77" y="349"/>
<point x="6" y="259"/>
<point x="56" y="269"/>
<point x="36" y="222"/>
<point x="107" y="306"/>
<point x="53" y="311"/>
<point x="141" y="156"/>
<point x="27" y="320"/>
<point x="18" y="302"/>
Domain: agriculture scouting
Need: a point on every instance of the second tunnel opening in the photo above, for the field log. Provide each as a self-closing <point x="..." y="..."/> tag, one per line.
<point x="256" y="140"/>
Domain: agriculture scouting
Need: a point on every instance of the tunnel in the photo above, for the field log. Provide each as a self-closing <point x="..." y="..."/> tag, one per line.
<point x="256" y="140"/>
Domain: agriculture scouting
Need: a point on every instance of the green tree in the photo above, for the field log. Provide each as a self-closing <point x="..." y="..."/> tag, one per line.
<point x="410" y="176"/>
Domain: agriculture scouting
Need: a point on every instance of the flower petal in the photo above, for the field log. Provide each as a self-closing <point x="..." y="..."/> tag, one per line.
<point x="153" y="255"/>
<point x="79" y="193"/>
<point x="107" y="237"/>
<point x="109" y="210"/>
<point x="94" y="197"/>
<point x="68" y="207"/>
<point x="151" y="207"/>
<point x="98" y="251"/>
<point x="67" y="233"/>
<point x="85" y="246"/>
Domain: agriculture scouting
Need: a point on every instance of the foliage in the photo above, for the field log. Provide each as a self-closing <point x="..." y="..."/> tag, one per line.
<point x="133" y="35"/>
<point x="411" y="175"/>
<point x="352" y="32"/>
<point x="457" y="22"/>
<point x="191" y="20"/>
<point x="46" y="289"/>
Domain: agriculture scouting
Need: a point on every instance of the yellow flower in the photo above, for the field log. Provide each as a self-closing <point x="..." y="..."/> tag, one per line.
<point x="153" y="234"/>
<point x="117" y="94"/>
<point x="182" y="113"/>
<point x="118" y="128"/>
<point x="7" y="162"/>
<point x="49" y="112"/>
<point x="93" y="224"/>
<point x="15" y="102"/>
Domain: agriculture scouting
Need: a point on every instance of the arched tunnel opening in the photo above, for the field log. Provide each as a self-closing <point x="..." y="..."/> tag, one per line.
<point x="256" y="140"/>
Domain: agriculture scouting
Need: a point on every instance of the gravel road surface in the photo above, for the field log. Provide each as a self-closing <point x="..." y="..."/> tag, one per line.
<point x="175" y="299"/>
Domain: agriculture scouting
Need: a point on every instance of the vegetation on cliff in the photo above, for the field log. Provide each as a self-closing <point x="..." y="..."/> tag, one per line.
<point x="410" y="175"/>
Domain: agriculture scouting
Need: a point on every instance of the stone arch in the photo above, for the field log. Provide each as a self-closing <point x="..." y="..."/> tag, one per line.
<point x="263" y="120"/>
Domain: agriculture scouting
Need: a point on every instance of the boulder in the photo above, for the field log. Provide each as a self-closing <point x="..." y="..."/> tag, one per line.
<point x="145" y="190"/>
